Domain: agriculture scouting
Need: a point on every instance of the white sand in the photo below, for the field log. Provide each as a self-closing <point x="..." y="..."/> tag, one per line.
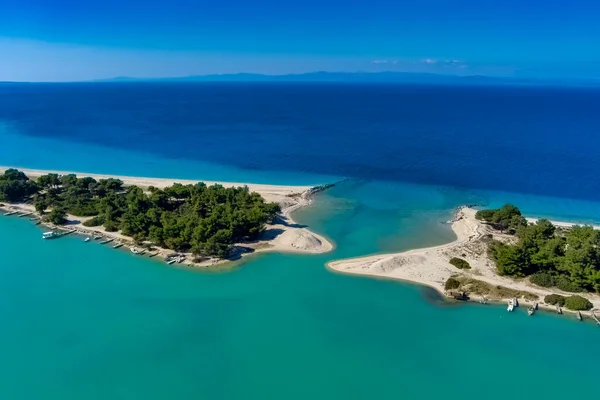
<point x="430" y="266"/>
<point x="283" y="236"/>
<point x="562" y="224"/>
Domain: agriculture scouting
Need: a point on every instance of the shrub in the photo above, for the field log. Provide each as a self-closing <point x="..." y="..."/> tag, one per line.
<point x="57" y="216"/>
<point x="577" y="303"/>
<point x="564" y="284"/>
<point x="459" y="263"/>
<point x="452" y="283"/>
<point x="111" y="226"/>
<point x="542" y="279"/>
<point x="96" y="221"/>
<point x="555" y="299"/>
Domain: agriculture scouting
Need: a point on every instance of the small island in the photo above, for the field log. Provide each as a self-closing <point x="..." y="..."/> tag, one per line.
<point x="201" y="223"/>
<point x="501" y="255"/>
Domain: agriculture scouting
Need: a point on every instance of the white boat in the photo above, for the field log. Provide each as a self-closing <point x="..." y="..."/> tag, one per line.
<point x="87" y="239"/>
<point x="530" y="311"/>
<point x="134" y="250"/>
<point x="50" y="235"/>
<point x="511" y="306"/>
<point x="170" y="262"/>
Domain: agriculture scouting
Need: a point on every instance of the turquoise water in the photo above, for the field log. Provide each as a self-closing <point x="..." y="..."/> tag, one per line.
<point x="79" y="320"/>
<point x="82" y="321"/>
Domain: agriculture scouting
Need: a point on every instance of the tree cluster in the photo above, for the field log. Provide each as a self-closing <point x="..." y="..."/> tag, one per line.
<point x="15" y="186"/>
<point x="506" y="218"/>
<point x="568" y="259"/>
<point x="204" y="220"/>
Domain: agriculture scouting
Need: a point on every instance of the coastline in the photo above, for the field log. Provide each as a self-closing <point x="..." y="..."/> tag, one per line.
<point x="430" y="267"/>
<point x="285" y="235"/>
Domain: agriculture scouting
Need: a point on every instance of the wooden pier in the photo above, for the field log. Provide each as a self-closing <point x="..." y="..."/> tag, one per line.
<point x="596" y="318"/>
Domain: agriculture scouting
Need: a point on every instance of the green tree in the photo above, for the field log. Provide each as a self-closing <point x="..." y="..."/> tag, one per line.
<point x="40" y="204"/>
<point x="57" y="216"/>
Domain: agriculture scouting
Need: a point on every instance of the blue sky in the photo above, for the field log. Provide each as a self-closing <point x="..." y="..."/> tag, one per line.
<point x="57" y="40"/>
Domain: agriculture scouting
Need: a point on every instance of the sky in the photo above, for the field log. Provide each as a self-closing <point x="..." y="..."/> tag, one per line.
<point x="71" y="40"/>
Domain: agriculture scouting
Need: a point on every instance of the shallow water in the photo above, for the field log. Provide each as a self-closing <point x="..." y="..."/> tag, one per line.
<point x="79" y="320"/>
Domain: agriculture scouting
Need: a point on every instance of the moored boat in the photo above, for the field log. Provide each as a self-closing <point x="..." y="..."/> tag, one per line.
<point x="50" y="235"/>
<point x="511" y="305"/>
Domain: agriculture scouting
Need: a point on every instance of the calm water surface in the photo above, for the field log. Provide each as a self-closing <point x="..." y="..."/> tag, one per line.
<point x="82" y="321"/>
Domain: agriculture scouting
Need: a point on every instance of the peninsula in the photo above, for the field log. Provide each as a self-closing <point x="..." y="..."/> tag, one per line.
<point x="482" y="260"/>
<point x="205" y="223"/>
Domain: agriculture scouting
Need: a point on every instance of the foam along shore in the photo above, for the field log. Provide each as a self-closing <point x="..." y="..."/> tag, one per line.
<point x="282" y="236"/>
<point x="430" y="266"/>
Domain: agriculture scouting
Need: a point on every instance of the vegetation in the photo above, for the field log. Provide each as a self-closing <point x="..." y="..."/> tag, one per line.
<point x="493" y="291"/>
<point x="57" y="216"/>
<point x="542" y="279"/>
<point x="555" y="299"/>
<point x="567" y="258"/>
<point x="16" y="186"/>
<point x="578" y="303"/>
<point x="506" y="218"/>
<point x="460" y="263"/>
<point x="197" y="218"/>
<point x="452" y="283"/>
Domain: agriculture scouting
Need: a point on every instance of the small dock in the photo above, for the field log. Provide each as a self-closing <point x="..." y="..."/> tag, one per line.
<point x="11" y="213"/>
<point x="596" y="318"/>
<point x="25" y="214"/>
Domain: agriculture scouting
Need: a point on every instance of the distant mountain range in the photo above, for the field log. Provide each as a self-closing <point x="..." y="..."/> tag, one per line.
<point x="365" y="77"/>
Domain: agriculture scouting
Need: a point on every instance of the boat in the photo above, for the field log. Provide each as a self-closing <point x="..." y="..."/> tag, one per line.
<point x="87" y="239"/>
<point x="116" y="246"/>
<point x="170" y="262"/>
<point x="134" y="250"/>
<point x="97" y="237"/>
<point x="106" y="241"/>
<point x="579" y="317"/>
<point x="531" y="311"/>
<point x="558" y="309"/>
<point x="11" y="213"/>
<point x="50" y="235"/>
<point x="511" y="305"/>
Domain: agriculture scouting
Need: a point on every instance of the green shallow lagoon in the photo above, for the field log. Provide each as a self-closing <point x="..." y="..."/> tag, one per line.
<point x="83" y="321"/>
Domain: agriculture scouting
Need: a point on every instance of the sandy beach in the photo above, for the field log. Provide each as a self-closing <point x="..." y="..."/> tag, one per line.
<point x="430" y="266"/>
<point x="283" y="236"/>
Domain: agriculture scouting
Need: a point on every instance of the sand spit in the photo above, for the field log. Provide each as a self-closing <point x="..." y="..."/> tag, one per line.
<point x="285" y="235"/>
<point x="430" y="266"/>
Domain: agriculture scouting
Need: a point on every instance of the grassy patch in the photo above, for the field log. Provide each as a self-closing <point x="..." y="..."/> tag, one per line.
<point x="492" y="291"/>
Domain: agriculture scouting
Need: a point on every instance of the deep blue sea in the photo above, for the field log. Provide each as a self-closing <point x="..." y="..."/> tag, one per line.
<point x="78" y="320"/>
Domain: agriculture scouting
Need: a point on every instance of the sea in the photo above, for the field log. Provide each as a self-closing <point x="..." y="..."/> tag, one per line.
<point x="83" y="321"/>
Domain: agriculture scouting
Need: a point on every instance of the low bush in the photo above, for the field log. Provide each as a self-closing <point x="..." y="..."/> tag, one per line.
<point x="577" y="303"/>
<point x="542" y="279"/>
<point x="96" y="221"/>
<point x="564" y="284"/>
<point x="555" y="299"/>
<point x="452" y="283"/>
<point x="460" y="263"/>
<point x="111" y="226"/>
